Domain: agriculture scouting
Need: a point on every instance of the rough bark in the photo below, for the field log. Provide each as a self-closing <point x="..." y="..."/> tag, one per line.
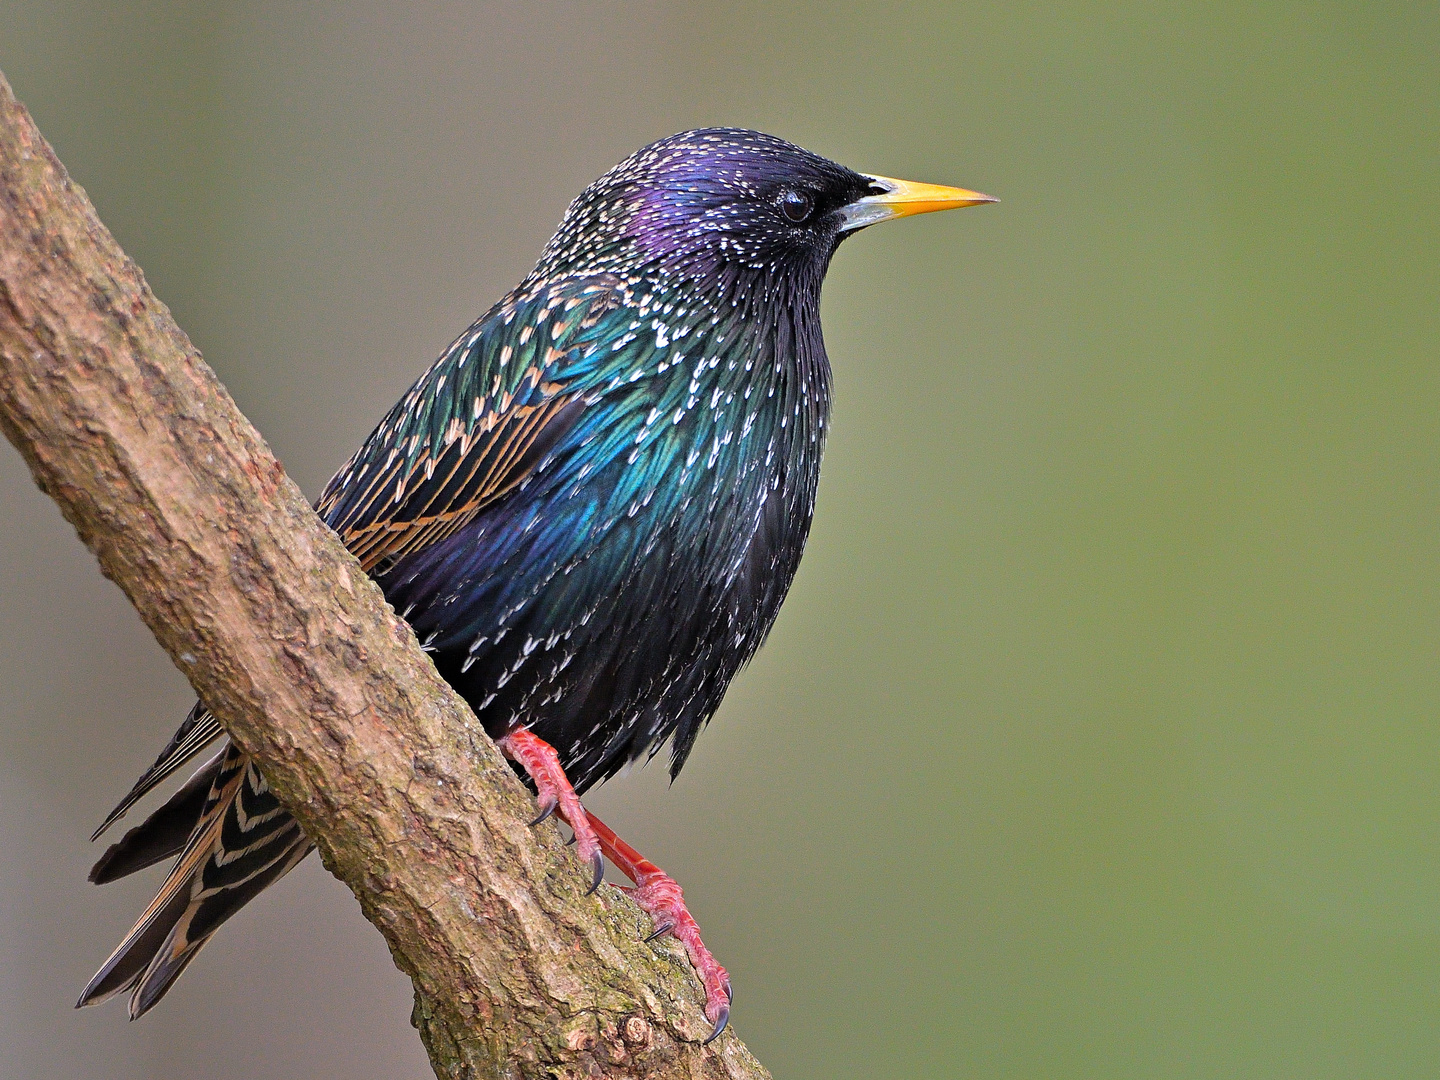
<point x="516" y="973"/>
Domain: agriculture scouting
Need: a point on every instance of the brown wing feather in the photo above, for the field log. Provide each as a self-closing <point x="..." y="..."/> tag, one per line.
<point x="438" y="494"/>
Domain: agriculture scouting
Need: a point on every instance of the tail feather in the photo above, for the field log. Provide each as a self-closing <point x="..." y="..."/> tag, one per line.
<point x="200" y="920"/>
<point x="242" y="841"/>
<point x="163" y="834"/>
<point x="128" y="962"/>
<point x="198" y="731"/>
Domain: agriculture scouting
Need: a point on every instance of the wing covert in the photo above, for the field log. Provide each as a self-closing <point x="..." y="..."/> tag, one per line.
<point x="473" y="427"/>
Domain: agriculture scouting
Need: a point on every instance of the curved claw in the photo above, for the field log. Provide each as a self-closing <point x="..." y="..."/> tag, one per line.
<point x="546" y="809"/>
<point x="598" y="862"/>
<point x="729" y="992"/>
<point x="660" y="931"/>
<point x="720" y="1022"/>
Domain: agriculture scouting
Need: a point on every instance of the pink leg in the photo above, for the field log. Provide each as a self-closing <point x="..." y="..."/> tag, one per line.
<point x="539" y="759"/>
<point x="656" y="892"/>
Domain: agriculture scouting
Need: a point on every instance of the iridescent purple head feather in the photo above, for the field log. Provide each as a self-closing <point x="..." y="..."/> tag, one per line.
<point x="716" y="202"/>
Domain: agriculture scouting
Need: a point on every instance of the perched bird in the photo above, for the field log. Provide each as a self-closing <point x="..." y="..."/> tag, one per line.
<point x="589" y="508"/>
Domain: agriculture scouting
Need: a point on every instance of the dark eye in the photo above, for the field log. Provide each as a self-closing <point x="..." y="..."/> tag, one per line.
<point x="796" y="205"/>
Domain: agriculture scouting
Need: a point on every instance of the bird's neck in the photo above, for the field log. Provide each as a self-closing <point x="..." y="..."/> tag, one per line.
<point x="761" y="333"/>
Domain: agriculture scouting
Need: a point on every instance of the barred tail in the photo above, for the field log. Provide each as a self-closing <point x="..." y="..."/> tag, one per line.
<point x="242" y="841"/>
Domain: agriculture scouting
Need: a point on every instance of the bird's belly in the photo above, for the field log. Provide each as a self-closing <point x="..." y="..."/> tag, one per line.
<point x="607" y="631"/>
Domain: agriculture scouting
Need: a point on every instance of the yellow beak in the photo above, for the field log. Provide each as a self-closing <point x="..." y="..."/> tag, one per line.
<point x="902" y="198"/>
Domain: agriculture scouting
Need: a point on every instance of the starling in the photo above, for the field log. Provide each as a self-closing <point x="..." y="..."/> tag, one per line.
<point x="589" y="509"/>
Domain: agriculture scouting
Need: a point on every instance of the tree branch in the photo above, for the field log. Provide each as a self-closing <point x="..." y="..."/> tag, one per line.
<point x="295" y="650"/>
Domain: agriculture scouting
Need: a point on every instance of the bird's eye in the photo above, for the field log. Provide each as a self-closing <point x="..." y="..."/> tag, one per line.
<point x="796" y="205"/>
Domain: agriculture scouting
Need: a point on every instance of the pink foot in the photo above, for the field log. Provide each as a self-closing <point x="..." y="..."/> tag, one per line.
<point x="553" y="792"/>
<point x="656" y="892"/>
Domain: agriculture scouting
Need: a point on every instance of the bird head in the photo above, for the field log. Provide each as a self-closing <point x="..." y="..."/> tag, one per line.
<point x="730" y="203"/>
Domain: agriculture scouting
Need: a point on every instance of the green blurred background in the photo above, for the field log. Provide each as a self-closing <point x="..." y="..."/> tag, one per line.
<point x="1099" y="736"/>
